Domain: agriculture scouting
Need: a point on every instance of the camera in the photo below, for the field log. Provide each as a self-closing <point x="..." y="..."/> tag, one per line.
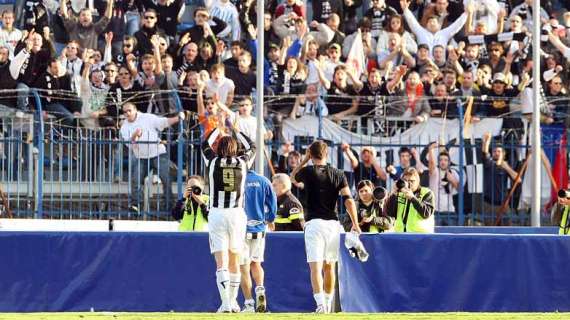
<point x="563" y="193"/>
<point x="401" y="184"/>
<point x="379" y="193"/>
<point x="196" y="190"/>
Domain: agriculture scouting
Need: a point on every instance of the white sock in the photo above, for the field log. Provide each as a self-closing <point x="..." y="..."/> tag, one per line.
<point x="223" y="282"/>
<point x="235" y="280"/>
<point x="259" y="290"/>
<point x="249" y="302"/>
<point x="319" y="299"/>
<point x="328" y="301"/>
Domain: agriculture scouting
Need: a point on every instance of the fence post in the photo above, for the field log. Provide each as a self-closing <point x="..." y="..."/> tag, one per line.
<point x="179" y="147"/>
<point x="460" y="209"/>
<point x="40" y="162"/>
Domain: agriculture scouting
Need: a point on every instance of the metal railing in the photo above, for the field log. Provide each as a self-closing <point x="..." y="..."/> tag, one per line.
<point x="50" y="171"/>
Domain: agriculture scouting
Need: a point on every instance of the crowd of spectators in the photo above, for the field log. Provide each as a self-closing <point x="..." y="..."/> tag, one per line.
<point x="422" y="59"/>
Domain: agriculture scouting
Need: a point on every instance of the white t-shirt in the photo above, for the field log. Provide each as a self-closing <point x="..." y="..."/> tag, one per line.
<point x="443" y="200"/>
<point x="151" y="126"/>
<point x="248" y="126"/>
<point x="223" y="88"/>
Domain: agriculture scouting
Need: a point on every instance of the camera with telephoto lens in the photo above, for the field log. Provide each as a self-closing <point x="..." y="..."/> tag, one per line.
<point x="196" y="190"/>
<point x="401" y="184"/>
<point x="379" y="193"/>
<point x="564" y="194"/>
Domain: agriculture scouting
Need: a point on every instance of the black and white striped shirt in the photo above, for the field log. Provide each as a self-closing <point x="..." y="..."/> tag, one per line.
<point x="226" y="176"/>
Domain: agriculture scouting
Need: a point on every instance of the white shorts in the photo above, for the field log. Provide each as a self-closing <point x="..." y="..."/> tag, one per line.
<point x="322" y="240"/>
<point x="227" y="229"/>
<point x="253" y="250"/>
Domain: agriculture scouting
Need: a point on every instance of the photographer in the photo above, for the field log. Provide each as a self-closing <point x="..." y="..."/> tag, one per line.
<point x="560" y="212"/>
<point x="192" y="209"/>
<point x="411" y="205"/>
<point x="444" y="183"/>
<point x="371" y="216"/>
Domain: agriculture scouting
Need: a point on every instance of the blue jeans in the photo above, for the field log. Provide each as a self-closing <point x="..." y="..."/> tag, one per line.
<point x="61" y="113"/>
<point x="140" y="170"/>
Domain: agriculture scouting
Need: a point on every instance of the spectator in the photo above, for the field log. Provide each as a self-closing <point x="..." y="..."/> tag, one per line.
<point x="290" y="215"/>
<point x="496" y="182"/>
<point x="204" y="27"/>
<point x="169" y="13"/>
<point x="7" y="81"/>
<point x="220" y="85"/>
<point x="371" y="215"/>
<point x="186" y="59"/>
<point x="440" y="104"/>
<point x="438" y="9"/>
<point x="350" y="19"/>
<point x="486" y="14"/>
<point x="323" y="9"/>
<point x="433" y="35"/>
<point x="396" y="53"/>
<point x="379" y="15"/>
<point x="246" y="123"/>
<point x="83" y="30"/>
<point x="243" y="77"/>
<point x="556" y="96"/>
<point x="148" y="30"/>
<point x="93" y="96"/>
<point x="111" y="73"/>
<point x="212" y="113"/>
<point x="500" y="95"/>
<point x="405" y="154"/>
<point x="309" y="104"/>
<point x="149" y="153"/>
<point x="227" y="12"/>
<point x="444" y="183"/>
<point x="367" y="168"/>
<point x="289" y="6"/>
<point x="364" y="27"/>
<point x="341" y="100"/>
<point x="124" y="90"/>
<point x="54" y="83"/>
<point x="396" y="25"/>
<point x="192" y="210"/>
<point x="411" y="206"/>
<point x="30" y="61"/>
<point x="9" y="35"/>
<point x="414" y="104"/>
<point x="524" y="10"/>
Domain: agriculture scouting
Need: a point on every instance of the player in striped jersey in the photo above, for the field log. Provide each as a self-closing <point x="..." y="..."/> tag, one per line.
<point x="227" y="170"/>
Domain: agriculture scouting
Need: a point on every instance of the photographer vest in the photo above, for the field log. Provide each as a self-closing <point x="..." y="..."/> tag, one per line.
<point x="564" y="223"/>
<point x="193" y="220"/>
<point x="409" y="220"/>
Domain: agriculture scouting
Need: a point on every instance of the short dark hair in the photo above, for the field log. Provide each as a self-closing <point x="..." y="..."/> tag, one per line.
<point x="318" y="150"/>
<point x="403" y="150"/>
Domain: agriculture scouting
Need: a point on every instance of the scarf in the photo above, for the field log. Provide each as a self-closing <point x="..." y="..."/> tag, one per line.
<point x="414" y="95"/>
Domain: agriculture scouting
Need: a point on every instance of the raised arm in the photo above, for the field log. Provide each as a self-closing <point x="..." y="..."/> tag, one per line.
<point x="207" y="151"/>
<point x="431" y="157"/>
<point x="248" y="145"/>
<point x="346" y="149"/>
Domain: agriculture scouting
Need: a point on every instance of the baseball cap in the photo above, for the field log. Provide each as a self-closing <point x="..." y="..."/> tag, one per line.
<point x="334" y="46"/>
<point x="499" y="77"/>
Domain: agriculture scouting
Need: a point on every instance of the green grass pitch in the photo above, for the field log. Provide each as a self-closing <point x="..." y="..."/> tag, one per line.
<point x="281" y="316"/>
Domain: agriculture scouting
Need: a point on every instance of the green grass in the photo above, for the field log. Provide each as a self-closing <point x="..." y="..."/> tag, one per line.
<point x="281" y="316"/>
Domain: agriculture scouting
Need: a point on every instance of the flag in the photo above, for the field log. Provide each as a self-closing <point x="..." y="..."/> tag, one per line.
<point x="559" y="170"/>
<point x="355" y="59"/>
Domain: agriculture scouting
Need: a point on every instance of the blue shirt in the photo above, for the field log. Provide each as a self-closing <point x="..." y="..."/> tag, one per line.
<point x="260" y="202"/>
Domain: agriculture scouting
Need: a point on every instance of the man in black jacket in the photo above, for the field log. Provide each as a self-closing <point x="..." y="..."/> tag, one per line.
<point x="203" y="28"/>
<point x="29" y="62"/>
<point x="148" y="29"/>
<point x="54" y="85"/>
<point x="7" y="82"/>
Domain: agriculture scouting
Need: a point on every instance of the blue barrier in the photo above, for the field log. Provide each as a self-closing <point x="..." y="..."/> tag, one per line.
<point x="449" y="273"/>
<point x="135" y="272"/>
<point x="174" y="271"/>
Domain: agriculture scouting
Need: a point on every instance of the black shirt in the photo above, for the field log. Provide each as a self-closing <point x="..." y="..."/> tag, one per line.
<point x="340" y="99"/>
<point x="287" y="205"/>
<point x="244" y="82"/>
<point x="322" y="186"/>
<point x="361" y="172"/>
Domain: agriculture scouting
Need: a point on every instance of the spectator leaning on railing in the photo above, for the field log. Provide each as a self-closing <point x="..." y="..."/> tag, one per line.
<point x="142" y="130"/>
